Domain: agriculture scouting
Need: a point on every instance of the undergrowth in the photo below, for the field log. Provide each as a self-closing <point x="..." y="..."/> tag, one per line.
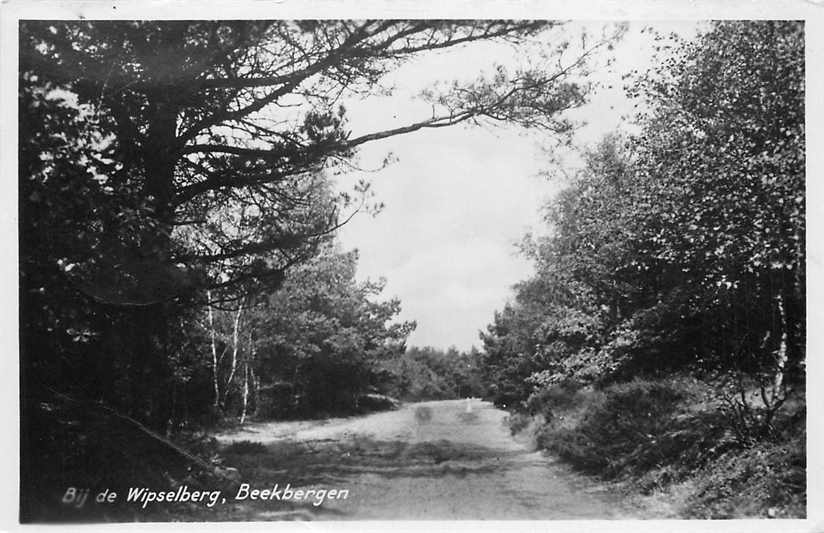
<point x="671" y="437"/>
<point x="75" y="447"/>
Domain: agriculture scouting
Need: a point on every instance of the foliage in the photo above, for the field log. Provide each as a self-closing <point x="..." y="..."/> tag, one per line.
<point x="724" y="185"/>
<point x="431" y="374"/>
<point x="677" y="250"/>
<point x="326" y="334"/>
<point x="768" y="479"/>
<point x="218" y="131"/>
<point x="632" y="425"/>
<point x="548" y="399"/>
<point x="657" y="435"/>
<point x="680" y="246"/>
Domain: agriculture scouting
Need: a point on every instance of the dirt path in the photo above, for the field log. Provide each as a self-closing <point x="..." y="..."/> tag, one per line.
<point x="433" y="460"/>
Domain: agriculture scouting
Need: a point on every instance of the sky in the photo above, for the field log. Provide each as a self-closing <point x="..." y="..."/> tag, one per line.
<point x="458" y="199"/>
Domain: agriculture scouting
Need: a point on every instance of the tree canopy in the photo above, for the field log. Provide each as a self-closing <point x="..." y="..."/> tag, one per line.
<point x="681" y="246"/>
<point x="215" y="133"/>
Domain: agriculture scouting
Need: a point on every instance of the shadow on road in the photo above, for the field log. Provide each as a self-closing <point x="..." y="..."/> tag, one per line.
<point x="336" y="463"/>
<point x="325" y="462"/>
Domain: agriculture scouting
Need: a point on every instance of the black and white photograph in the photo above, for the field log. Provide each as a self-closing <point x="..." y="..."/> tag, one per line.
<point x="287" y="268"/>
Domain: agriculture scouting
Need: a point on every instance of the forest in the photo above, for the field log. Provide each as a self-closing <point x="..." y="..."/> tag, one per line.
<point x="662" y="338"/>
<point x="180" y="270"/>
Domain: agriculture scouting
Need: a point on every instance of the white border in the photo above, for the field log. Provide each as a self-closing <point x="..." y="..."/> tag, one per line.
<point x="812" y="11"/>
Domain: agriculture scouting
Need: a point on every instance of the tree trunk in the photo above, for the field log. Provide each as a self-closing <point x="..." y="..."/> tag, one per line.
<point x="154" y="376"/>
<point x="215" y="380"/>
<point x="159" y="160"/>
<point x="235" y="348"/>
<point x="255" y="391"/>
<point x="245" y="391"/>
<point x="781" y="353"/>
<point x="250" y="357"/>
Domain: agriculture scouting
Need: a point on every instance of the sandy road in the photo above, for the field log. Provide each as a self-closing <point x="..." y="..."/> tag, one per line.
<point x="432" y="460"/>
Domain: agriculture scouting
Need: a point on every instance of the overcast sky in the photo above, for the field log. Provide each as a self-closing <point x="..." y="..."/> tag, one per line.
<point x="459" y="198"/>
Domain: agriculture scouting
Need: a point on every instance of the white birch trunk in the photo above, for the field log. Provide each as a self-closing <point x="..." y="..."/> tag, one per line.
<point x="245" y="391"/>
<point x="235" y="347"/>
<point x="781" y="354"/>
<point x="215" y="380"/>
<point x="255" y="389"/>
<point x="250" y="356"/>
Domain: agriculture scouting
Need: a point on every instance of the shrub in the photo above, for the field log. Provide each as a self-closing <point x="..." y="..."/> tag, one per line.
<point x="547" y="400"/>
<point x="657" y="433"/>
<point x="634" y="426"/>
<point x="518" y="422"/>
<point x="766" y="479"/>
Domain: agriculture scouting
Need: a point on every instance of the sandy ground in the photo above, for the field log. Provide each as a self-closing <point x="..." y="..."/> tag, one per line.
<point x="433" y="460"/>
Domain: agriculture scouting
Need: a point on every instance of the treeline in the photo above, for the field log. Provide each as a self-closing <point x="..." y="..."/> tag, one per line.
<point x="313" y="347"/>
<point x="678" y="253"/>
<point x="429" y="373"/>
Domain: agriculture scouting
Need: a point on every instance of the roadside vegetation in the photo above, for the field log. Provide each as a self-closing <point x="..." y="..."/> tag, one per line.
<point x="661" y="341"/>
<point x="670" y="443"/>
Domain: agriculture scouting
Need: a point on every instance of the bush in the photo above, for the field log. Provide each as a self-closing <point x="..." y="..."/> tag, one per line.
<point x="766" y="479"/>
<point x="518" y="422"/>
<point x="635" y="426"/>
<point x="654" y="434"/>
<point x="555" y="397"/>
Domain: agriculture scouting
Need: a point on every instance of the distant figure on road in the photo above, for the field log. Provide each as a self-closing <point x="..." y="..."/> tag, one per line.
<point x="469" y="405"/>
